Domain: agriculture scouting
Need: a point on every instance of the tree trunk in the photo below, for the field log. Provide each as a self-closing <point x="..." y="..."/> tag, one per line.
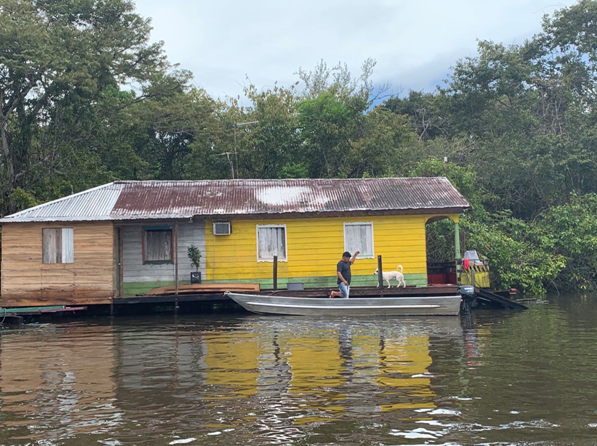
<point x="6" y="168"/>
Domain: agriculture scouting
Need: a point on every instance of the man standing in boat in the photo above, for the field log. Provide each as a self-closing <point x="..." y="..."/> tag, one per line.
<point x="344" y="275"/>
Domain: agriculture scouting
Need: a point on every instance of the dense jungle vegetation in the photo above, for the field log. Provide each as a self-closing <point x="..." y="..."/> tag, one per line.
<point x="86" y="99"/>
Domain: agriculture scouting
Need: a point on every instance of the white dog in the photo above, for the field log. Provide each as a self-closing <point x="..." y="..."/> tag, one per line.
<point x="389" y="275"/>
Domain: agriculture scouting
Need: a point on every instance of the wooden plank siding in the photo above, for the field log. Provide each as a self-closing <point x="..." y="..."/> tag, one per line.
<point x="315" y="245"/>
<point x="138" y="278"/>
<point x="27" y="281"/>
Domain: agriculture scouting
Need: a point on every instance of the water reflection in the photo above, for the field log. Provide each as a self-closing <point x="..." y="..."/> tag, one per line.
<point x="55" y="386"/>
<point x="142" y="378"/>
<point x="495" y="378"/>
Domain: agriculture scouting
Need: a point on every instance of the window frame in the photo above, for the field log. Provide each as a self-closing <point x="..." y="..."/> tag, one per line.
<point x="147" y="229"/>
<point x="285" y="259"/>
<point x="62" y="252"/>
<point x="361" y="223"/>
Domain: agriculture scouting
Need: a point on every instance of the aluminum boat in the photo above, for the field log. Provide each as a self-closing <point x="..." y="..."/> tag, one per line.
<point x="447" y="305"/>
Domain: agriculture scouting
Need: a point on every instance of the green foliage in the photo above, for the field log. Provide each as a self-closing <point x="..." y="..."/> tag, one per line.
<point x="464" y="178"/>
<point x="23" y="199"/>
<point x="422" y="111"/>
<point x="514" y="259"/>
<point x="194" y="255"/>
<point x="382" y="149"/>
<point x="271" y="146"/>
<point x="440" y="241"/>
<point x="56" y="59"/>
<point x="329" y="123"/>
<point x="570" y="231"/>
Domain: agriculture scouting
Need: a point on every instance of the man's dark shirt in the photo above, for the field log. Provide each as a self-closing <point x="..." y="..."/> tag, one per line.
<point x="344" y="269"/>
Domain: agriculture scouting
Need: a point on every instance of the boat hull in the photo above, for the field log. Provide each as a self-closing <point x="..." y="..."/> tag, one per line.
<point x="366" y="306"/>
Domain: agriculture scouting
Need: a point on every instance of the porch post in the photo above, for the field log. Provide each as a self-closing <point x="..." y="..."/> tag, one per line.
<point x="121" y="262"/>
<point x="457" y="241"/>
<point x="458" y="255"/>
<point x="176" y="263"/>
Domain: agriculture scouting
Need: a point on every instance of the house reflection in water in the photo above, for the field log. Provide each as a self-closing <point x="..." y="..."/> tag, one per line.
<point x="326" y="372"/>
<point x="125" y="380"/>
<point x="232" y="364"/>
<point x="54" y="387"/>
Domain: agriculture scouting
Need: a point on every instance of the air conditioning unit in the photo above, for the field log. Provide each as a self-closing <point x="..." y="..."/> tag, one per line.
<point x="222" y="228"/>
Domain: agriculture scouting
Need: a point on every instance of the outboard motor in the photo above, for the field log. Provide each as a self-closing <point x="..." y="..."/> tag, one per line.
<point x="467" y="290"/>
<point x="468" y="298"/>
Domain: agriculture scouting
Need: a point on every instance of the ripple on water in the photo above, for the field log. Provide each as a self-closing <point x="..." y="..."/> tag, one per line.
<point x="495" y="379"/>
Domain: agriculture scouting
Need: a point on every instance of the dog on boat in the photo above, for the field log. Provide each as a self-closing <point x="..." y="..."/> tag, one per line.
<point x="389" y="275"/>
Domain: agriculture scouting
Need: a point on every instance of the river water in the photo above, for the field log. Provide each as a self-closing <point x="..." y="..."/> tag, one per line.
<point x="495" y="378"/>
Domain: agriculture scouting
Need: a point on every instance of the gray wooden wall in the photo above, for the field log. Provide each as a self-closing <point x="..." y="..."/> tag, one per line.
<point x="132" y="250"/>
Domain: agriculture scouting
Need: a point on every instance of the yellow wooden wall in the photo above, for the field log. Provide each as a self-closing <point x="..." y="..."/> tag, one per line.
<point x="26" y="281"/>
<point x="315" y="245"/>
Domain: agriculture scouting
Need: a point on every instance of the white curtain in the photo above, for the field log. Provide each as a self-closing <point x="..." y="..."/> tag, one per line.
<point x="58" y="245"/>
<point x="359" y="237"/>
<point x="271" y="242"/>
<point x="68" y="245"/>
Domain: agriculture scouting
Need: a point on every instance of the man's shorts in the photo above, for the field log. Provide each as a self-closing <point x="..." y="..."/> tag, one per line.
<point x="344" y="290"/>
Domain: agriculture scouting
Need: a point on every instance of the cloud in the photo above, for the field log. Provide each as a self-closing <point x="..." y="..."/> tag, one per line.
<point x="414" y="43"/>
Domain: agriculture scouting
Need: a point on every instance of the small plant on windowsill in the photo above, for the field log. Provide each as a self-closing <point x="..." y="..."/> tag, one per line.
<point x="195" y="258"/>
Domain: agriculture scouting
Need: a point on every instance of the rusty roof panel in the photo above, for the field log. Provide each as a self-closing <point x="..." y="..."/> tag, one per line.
<point x="168" y="199"/>
<point x="147" y="200"/>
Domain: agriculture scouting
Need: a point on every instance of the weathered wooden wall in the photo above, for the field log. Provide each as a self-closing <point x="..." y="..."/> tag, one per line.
<point x="139" y="278"/>
<point x="26" y="281"/>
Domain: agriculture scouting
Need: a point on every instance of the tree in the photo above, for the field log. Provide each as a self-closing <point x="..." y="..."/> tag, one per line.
<point x="423" y="111"/>
<point x="269" y="146"/>
<point x="383" y="148"/>
<point x="56" y="60"/>
<point x="259" y="140"/>
<point x="570" y="231"/>
<point x="337" y="79"/>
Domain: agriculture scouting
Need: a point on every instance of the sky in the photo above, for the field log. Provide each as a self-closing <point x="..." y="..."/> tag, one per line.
<point x="228" y="44"/>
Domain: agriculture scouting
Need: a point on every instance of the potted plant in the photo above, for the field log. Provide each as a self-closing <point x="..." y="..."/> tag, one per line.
<point x="195" y="258"/>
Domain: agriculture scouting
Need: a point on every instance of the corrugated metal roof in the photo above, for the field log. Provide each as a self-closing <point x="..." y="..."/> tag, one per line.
<point x="90" y="205"/>
<point x="186" y="199"/>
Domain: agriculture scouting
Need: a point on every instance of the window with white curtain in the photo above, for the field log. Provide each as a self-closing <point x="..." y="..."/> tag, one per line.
<point x="359" y="237"/>
<point x="58" y="245"/>
<point x="271" y="241"/>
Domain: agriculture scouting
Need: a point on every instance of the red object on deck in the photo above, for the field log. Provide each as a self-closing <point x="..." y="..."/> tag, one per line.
<point x="441" y="279"/>
<point x="466" y="263"/>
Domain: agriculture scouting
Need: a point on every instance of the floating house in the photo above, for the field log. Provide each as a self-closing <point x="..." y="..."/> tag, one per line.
<point x="128" y="237"/>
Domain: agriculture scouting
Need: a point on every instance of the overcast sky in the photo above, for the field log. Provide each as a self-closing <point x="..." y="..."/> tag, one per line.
<point x="415" y="42"/>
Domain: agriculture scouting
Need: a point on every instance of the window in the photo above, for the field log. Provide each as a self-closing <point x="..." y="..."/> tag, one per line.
<point x="271" y="241"/>
<point x="157" y="245"/>
<point x="58" y="245"/>
<point x="359" y="237"/>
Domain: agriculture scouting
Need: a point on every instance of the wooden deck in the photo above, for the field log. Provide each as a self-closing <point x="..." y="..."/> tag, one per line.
<point x="205" y="288"/>
<point x="200" y="292"/>
<point x="492" y="299"/>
